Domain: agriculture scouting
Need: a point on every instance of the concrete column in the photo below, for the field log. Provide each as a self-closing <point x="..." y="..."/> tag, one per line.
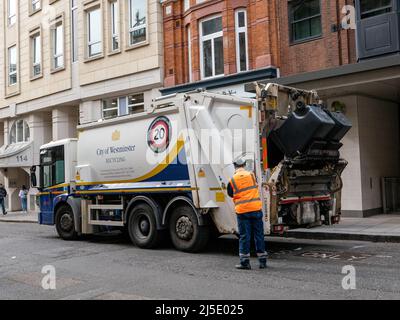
<point x="352" y="188"/>
<point x="64" y="122"/>
<point x="2" y="140"/>
<point x="40" y="130"/>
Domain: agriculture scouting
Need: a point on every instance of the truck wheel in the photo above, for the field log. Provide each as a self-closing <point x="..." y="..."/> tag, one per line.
<point x="142" y="227"/>
<point x="65" y="224"/>
<point x="186" y="234"/>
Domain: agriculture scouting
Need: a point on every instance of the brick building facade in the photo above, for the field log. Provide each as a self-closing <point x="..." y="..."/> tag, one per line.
<point x="268" y="33"/>
<point x="180" y="23"/>
<point x="332" y="48"/>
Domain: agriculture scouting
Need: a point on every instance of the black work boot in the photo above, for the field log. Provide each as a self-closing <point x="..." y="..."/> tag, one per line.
<point x="244" y="265"/>
<point x="263" y="263"/>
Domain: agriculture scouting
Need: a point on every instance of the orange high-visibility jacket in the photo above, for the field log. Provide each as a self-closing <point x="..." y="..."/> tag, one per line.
<point x="245" y="192"/>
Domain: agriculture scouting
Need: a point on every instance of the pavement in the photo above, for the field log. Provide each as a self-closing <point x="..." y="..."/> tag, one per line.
<point x="107" y="267"/>
<point x="380" y="228"/>
<point x="19" y="216"/>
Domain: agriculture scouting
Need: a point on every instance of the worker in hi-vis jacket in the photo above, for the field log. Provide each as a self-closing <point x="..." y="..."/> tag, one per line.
<point x="243" y="189"/>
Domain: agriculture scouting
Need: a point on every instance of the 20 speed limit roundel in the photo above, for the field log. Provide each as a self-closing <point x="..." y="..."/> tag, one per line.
<point x="158" y="134"/>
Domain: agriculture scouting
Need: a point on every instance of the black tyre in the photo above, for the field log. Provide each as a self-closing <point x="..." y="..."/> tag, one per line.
<point x="142" y="227"/>
<point x="186" y="234"/>
<point x="65" y="223"/>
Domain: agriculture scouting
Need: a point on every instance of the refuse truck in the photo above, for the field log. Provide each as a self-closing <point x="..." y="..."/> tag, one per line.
<point x="163" y="173"/>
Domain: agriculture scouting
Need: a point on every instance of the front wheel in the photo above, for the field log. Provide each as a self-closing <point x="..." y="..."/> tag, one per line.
<point x="186" y="234"/>
<point x="65" y="223"/>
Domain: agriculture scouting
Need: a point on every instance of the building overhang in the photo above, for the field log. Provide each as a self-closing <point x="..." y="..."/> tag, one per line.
<point x="16" y="155"/>
<point x="224" y="81"/>
<point x="379" y="77"/>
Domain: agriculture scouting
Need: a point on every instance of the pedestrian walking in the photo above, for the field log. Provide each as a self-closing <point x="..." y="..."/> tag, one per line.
<point x="3" y="195"/>
<point x="23" y="195"/>
<point x="243" y="189"/>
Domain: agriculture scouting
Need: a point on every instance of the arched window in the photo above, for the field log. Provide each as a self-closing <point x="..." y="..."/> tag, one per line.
<point x="19" y="132"/>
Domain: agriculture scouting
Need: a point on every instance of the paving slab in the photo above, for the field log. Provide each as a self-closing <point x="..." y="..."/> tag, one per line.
<point x="19" y="216"/>
<point x="380" y="228"/>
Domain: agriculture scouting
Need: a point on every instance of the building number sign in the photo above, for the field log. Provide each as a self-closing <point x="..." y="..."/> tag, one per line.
<point x="23" y="158"/>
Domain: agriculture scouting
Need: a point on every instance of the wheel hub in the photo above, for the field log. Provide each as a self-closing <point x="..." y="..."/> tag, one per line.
<point x="66" y="222"/>
<point x="144" y="226"/>
<point x="184" y="228"/>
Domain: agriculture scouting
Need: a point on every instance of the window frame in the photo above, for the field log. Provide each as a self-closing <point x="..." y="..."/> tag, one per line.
<point x="186" y="5"/>
<point x="90" y="43"/>
<point x="74" y="28"/>
<point x="239" y="30"/>
<point x="133" y="29"/>
<point x="11" y="18"/>
<point x="376" y="10"/>
<point x="34" y="34"/>
<point x="110" y="109"/>
<point x="115" y="25"/>
<point x="128" y="106"/>
<point x="189" y="52"/>
<point x="291" y="5"/>
<point x="14" y="72"/>
<point x="25" y="130"/>
<point x="32" y="9"/>
<point x="58" y="22"/>
<point x="212" y="37"/>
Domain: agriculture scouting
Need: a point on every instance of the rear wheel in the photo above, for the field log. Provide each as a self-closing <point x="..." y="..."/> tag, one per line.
<point x="186" y="234"/>
<point x="142" y="227"/>
<point x="65" y="224"/>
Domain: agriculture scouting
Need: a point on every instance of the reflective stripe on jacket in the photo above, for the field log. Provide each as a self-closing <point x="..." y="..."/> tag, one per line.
<point x="245" y="192"/>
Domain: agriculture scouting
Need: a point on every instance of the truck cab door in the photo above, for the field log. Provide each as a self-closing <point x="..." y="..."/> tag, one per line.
<point x="52" y="181"/>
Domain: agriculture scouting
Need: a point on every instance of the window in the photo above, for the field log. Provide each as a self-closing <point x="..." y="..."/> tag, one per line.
<point x="114" y="17"/>
<point x="371" y="8"/>
<point x="189" y="40"/>
<point x="35" y="5"/>
<point x="241" y="40"/>
<point x="57" y="34"/>
<point x="19" y="132"/>
<point x="186" y="5"/>
<point x="74" y="28"/>
<point x="94" y="24"/>
<point x="211" y="48"/>
<point x="36" y="55"/>
<point x="135" y="103"/>
<point x="110" y="108"/>
<point x="12" y="65"/>
<point x="12" y="12"/>
<point x="137" y="21"/>
<point x="305" y="19"/>
<point x="52" y="167"/>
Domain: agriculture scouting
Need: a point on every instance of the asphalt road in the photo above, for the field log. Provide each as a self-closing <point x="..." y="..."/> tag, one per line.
<point x="109" y="267"/>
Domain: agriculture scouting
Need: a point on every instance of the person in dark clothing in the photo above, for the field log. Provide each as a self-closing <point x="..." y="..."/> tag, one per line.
<point x="3" y="194"/>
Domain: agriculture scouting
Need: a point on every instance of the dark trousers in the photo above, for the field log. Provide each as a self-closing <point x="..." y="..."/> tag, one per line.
<point x="2" y="204"/>
<point x="251" y="223"/>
